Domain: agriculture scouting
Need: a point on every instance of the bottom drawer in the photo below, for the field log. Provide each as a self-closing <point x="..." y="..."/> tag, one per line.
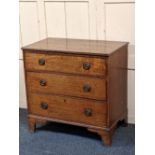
<point x="68" y="109"/>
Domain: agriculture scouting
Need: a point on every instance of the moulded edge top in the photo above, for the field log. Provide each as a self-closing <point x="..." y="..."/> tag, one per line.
<point x="76" y="46"/>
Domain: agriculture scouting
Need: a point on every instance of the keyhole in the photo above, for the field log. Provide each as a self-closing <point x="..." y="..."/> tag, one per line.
<point x="64" y="100"/>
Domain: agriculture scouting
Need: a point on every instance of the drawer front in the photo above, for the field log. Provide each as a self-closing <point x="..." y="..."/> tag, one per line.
<point x="67" y="64"/>
<point x="68" y="109"/>
<point x="94" y="88"/>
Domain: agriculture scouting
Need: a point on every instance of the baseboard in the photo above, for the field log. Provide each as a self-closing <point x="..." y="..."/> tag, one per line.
<point x="131" y="119"/>
<point x="22" y="106"/>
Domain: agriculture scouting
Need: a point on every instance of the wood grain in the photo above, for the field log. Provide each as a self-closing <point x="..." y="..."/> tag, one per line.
<point x="66" y="85"/>
<point x="65" y="64"/>
<point x="95" y="98"/>
<point x="69" y="109"/>
<point x="117" y="85"/>
<point x="76" y="46"/>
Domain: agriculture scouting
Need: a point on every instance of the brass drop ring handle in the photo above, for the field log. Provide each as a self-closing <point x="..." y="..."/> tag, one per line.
<point x="44" y="105"/>
<point x="86" y="66"/>
<point x="41" y="61"/>
<point x="43" y="82"/>
<point x="86" y="88"/>
<point x="88" y="112"/>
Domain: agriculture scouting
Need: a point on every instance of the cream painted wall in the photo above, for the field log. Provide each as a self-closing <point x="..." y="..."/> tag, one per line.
<point x="87" y="19"/>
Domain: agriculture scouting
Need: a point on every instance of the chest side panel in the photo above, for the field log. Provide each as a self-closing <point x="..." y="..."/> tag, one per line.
<point x="117" y="85"/>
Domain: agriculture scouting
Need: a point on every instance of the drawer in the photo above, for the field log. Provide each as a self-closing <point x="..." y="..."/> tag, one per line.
<point x="65" y="63"/>
<point x="79" y="86"/>
<point x="68" y="109"/>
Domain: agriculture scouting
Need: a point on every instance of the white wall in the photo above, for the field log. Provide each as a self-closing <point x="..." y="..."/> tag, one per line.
<point x="87" y="19"/>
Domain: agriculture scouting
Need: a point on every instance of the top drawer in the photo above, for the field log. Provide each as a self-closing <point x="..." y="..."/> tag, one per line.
<point x="65" y="64"/>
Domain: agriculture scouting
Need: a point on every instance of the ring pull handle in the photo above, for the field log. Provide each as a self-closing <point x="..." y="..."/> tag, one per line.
<point x="86" y="88"/>
<point x="43" y="82"/>
<point x="41" y="61"/>
<point x="88" y="112"/>
<point x="86" y="66"/>
<point x="44" y="105"/>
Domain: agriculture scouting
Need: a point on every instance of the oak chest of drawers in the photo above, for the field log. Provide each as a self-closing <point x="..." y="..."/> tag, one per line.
<point x="78" y="82"/>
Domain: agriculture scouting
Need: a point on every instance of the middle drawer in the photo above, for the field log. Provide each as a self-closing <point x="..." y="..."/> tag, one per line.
<point x="78" y="86"/>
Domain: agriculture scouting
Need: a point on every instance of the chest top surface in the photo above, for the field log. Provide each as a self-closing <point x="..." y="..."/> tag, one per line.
<point x="76" y="46"/>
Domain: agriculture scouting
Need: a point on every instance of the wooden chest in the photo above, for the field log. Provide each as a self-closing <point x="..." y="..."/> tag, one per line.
<point x="78" y="82"/>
